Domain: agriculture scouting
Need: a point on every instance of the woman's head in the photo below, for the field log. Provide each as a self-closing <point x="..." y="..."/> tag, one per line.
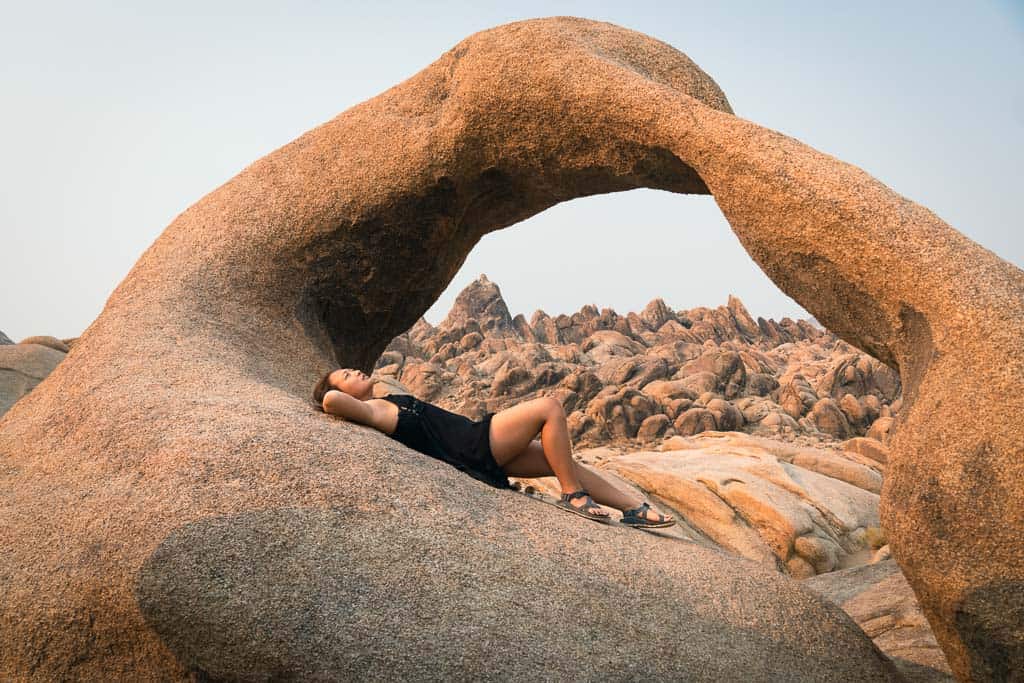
<point x="351" y="381"/>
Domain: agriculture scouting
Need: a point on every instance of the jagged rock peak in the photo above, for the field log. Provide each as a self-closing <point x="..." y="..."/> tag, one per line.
<point x="420" y="328"/>
<point x="744" y="321"/>
<point x="481" y="301"/>
<point x="4" y="339"/>
<point x="657" y="313"/>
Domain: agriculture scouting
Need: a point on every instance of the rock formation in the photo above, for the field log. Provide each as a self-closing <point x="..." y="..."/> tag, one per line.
<point x="879" y="599"/>
<point x="24" y="365"/>
<point x="644" y="377"/>
<point x="182" y="508"/>
<point x="47" y="340"/>
<point x="801" y="510"/>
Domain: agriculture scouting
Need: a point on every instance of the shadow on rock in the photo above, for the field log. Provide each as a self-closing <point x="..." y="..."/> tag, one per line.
<point x="294" y="594"/>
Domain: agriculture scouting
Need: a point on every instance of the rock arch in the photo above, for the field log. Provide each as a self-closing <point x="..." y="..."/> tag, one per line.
<point x="180" y="420"/>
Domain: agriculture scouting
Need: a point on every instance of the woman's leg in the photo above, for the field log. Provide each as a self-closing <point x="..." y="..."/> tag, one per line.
<point x="513" y="429"/>
<point x="531" y="463"/>
<point x="519" y="455"/>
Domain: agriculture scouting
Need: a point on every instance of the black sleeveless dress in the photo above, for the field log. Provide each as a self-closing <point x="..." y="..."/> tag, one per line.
<point x="462" y="443"/>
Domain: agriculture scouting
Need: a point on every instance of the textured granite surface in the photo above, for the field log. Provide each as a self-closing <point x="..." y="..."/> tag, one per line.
<point x="169" y="487"/>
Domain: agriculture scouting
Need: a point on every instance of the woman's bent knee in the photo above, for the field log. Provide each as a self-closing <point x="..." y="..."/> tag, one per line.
<point x="553" y="407"/>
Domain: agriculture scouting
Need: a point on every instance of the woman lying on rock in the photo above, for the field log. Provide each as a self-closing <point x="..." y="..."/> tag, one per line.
<point x="492" y="449"/>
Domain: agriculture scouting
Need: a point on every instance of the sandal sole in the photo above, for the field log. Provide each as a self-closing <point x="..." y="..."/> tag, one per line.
<point x="649" y="525"/>
<point x="569" y="507"/>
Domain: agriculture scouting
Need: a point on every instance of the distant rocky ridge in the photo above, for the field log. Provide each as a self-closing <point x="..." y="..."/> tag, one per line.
<point x="638" y="378"/>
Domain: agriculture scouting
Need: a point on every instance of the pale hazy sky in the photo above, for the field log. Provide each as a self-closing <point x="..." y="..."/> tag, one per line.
<point x="115" y="117"/>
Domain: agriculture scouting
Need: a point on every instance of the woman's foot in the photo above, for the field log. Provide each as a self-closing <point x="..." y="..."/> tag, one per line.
<point x="581" y="503"/>
<point x="646" y="516"/>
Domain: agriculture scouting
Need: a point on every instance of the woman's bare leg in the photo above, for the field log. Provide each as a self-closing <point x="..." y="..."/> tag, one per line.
<point x="531" y="463"/>
<point x="513" y="429"/>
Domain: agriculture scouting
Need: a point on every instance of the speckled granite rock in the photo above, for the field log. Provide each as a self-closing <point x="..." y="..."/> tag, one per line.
<point x="184" y="423"/>
<point x="22" y="367"/>
<point x="879" y="599"/>
<point x="47" y="340"/>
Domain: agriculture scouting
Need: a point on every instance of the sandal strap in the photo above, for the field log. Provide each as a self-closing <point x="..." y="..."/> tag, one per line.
<point x="567" y="497"/>
<point x="638" y="511"/>
<point x="641" y="513"/>
<point x="589" y="505"/>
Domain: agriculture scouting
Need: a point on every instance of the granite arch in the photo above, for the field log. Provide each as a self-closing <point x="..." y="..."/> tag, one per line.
<point x="320" y="252"/>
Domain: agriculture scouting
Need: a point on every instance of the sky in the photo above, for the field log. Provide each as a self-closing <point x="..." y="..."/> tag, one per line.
<point x="117" y="116"/>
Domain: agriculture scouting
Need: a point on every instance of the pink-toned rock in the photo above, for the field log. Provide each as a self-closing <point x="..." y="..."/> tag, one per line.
<point x="653" y="428"/>
<point x="828" y="418"/>
<point x="741" y="317"/>
<point x="543" y="328"/>
<point x="699" y="383"/>
<point x="727" y="416"/>
<point x="880" y="600"/>
<point x="279" y="274"/>
<point x="425" y="380"/>
<point x="470" y="341"/>
<point x="695" y="421"/>
<point x="869" y="448"/>
<point x="746" y="495"/>
<point x="730" y="375"/>
<point x="838" y="467"/>
<point x="856" y="415"/>
<point x="584" y="383"/>
<point x="760" y="384"/>
<point x="677" y="407"/>
<point x="605" y="345"/>
<point x="860" y="375"/>
<point x="46" y="340"/>
<point x="620" y="411"/>
<point x="881" y="430"/>
<point x="22" y="367"/>
<point x="657" y="313"/>
<point x="634" y="370"/>
<point x="777" y="422"/>
<point x="796" y="396"/>
<point x="508" y="377"/>
<point x="664" y="391"/>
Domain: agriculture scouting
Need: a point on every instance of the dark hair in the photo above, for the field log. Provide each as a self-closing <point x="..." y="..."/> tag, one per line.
<point x="321" y="388"/>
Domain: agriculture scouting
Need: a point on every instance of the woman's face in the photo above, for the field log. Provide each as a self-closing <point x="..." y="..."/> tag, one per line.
<point x="352" y="382"/>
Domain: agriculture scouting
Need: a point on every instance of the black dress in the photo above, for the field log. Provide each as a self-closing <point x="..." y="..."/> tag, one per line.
<point x="462" y="443"/>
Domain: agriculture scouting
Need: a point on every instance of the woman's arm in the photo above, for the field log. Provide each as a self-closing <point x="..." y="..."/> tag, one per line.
<point x="349" y="407"/>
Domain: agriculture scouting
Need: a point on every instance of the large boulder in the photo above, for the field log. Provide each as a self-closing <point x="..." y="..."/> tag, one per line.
<point x="47" y="340"/>
<point x="783" y="506"/>
<point x="22" y="367"/>
<point x="879" y="599"/>
<point x="170" y="480"/>
<point x="726" y="366"/>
